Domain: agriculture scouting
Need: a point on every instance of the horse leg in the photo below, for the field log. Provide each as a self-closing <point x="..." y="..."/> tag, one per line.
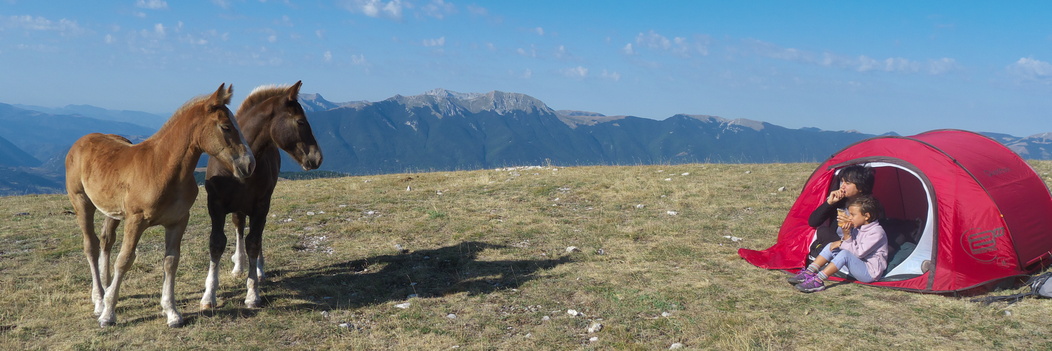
<point x="173" y="239"/>
<point x="86" y="220"/>
<point x="133" y="229"/>
<point x="239" y="257"/>
<point x="253" y="246"/>
<point x="216" y="246"/>
<point x="108" y="238"/>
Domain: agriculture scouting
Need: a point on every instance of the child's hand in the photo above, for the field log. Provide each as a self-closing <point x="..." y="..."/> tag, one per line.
<point x="842" y="221"/>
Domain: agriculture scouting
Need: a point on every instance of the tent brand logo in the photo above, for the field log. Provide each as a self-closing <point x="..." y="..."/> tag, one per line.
<point x="996" y="172"/>
<point x="982" y="245"/>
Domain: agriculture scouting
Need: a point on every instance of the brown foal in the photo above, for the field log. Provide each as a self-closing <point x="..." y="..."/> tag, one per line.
<point x="148" y="184"/>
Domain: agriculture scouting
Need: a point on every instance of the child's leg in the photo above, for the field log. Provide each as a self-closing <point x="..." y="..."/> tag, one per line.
<point x="854" y="265"/>
<point x="824" y="257"/>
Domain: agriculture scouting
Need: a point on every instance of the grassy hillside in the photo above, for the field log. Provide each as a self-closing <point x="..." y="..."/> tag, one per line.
<point x="479" y="260"/>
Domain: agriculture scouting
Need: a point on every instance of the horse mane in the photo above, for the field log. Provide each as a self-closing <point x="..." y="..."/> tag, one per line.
<point x="260" y="94"/>
<point x="184" y="109"/>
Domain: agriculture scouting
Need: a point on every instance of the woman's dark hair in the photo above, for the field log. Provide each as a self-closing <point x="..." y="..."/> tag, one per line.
<point x="868" y="204"/>
<point x="859" y="175"/>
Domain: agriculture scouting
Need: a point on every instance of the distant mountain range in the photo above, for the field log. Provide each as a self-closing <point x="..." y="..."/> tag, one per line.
<point x="445" y="130"/>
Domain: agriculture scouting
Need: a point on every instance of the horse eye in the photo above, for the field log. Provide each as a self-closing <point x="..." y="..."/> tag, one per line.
<point x="225" y="128"/>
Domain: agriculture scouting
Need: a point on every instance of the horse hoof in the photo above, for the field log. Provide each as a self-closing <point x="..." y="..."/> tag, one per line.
<point x="175" y="324"/>
<point x="106" y="323"/>
<point x="207" y="306"/>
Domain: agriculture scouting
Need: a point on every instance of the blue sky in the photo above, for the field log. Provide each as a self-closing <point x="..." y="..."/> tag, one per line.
<point x="901" y="66"/>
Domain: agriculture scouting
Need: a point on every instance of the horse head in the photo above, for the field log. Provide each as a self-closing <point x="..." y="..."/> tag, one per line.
<point x="291" y="131"/>
<point x="222" y="138"/>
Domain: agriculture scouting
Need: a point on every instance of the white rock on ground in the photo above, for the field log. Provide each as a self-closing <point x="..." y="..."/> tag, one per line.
<point x="595" y="328"/>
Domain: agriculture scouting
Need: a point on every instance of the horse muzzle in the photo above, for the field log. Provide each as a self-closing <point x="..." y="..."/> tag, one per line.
<point x="244" y="165"/>
<point x="312" y="160"/>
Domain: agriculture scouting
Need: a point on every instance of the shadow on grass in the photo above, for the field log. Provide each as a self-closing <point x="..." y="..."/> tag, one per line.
<point x="425" y="273"/>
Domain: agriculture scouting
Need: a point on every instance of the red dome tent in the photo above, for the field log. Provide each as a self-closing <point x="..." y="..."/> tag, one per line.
<point x="982" y="213"/>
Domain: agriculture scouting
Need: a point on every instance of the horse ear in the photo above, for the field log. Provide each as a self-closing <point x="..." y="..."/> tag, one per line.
<point x="229" y="94"/>
<point x="222" y="95"/>
<point x="294" y="91"/>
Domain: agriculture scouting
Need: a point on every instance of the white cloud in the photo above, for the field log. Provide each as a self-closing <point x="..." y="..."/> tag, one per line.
<point x="62" y="26"/>
<point x="575" y="72"/>
<point x="152" y="4"/>
<point x="435" y="42"/>
<point x="562" y="53"/>
<point x="224" y="4"/>
<point x="1031" y="69"/>
<point x="438" y="9"/>
<point x="377" y="8"/>
<point x="327" y="56"/>
<point x="539" y="30"/>
<point x="677" y="45"/>
<point x="159" y="29"/>
<point x="614" y="76"/>
<point x="273" y="38"/>
<point x="477" y="10"/>
<point x="860" y="63"/>
<point x="532" y="52"/>
<point x="108" y="39"/>
<point x="359" y="59"/>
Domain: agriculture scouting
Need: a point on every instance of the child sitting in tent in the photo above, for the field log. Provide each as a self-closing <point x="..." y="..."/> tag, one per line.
<point x="863" y="249"/>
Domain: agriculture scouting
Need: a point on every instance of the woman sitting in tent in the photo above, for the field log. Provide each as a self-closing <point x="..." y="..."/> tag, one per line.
<point x="854" y="181"/>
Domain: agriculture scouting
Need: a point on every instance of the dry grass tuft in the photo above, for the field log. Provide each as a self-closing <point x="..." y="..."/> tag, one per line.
<point x="479" y="260"/>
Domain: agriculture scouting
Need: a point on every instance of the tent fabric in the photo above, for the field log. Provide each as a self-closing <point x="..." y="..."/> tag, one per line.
<point x="985" y="215"/>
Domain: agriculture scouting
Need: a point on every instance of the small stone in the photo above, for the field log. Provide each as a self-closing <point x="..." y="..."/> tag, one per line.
<point x="573" y="312"/>
<point x="403" y="305"/>
<point x="685" y="174"/>
<point x="546" y="318"/>
<point x="672" y="213"/>
<point x="310" y="213"/>
<point x="668" y="179"/>
<point x="325" y="314"/>
<point x="640" y="206"/>
<point x="1008" y="313"/>
<point x="345" y="325"/>
<point x="781" y="189"/>
<point x="408" y="188"/>
<point x="600" y="252"/>
<point x="676" y="346"/>
<point x="451" y="316"/>
<point x="593" y="339"/>
<point x="748" y="172"/>
<point x="666" y="314"/>
<point x="572" y="249"/>
<point x="595" y="328"/>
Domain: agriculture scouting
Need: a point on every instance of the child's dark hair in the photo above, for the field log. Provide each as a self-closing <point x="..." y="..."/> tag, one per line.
<point x="859" y="175"/>
<point x="868" y="204"/>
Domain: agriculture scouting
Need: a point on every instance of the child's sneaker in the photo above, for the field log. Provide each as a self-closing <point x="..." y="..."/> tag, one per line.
<point x="800" y="277"/>
<point x="811" y="284"/>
